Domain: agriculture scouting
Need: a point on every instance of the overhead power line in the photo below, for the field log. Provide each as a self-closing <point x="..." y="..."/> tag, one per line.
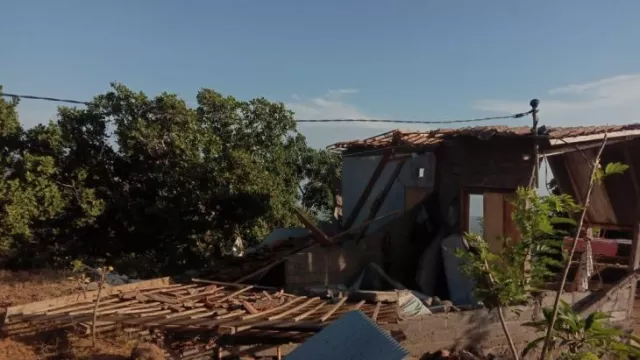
<point x="512" y="116"/>
<point x="32" y="97"/>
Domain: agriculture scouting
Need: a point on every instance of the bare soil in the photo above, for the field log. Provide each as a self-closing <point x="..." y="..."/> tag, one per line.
<point x="24" y="287"/>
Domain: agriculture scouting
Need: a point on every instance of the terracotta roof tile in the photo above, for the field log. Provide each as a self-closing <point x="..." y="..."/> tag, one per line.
<point x="436" y="136"/>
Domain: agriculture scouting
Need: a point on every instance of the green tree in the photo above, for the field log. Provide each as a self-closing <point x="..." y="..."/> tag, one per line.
<point x="153" y="185"/>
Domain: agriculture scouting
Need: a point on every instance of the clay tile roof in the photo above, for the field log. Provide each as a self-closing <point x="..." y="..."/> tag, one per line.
<point x="436" y="136"/>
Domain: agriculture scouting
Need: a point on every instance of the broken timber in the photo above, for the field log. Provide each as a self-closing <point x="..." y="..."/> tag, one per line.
<point x="199" y="305"/>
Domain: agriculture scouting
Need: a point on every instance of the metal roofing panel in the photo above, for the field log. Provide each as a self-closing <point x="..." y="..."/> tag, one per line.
<point x="613" y="202"/>
<point x="352" y="337"/>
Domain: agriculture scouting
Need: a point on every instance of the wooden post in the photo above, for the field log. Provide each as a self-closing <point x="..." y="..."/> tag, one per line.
<point x="279" y="353"/>
<point x="634" y="257"/>
<point x="536" y="150"/>
<point x="635" y="248"/>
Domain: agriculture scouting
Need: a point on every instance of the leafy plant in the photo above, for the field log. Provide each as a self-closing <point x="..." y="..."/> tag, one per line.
<point x="539" y="239"/>
<point x="102" y="273"/>
<point x="581" y="338"/>
<point x="596" y="177"/>
<point x="503" y="278"/>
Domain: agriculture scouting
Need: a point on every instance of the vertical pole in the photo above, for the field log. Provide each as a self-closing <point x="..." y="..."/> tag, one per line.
<point x="534" y="179"/>
<point x="536" y="149"/>
<point x="634" y="262"/>
<point x="279" y="353"/>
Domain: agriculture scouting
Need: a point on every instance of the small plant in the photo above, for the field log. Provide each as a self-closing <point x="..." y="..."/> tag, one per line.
<point x="80" y="277"/>
<point x="79" y="269"/>
<point x="597" y="176"/>
<point x="503" y="278"/>
<point x="102" y="272"/>
<point x="581" y="338"/>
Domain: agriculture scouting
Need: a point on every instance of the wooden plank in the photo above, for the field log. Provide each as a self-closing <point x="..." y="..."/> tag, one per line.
<point x="156" y="313"/>
<point x="233" y="294"/>
<point x="89" y="305"/>
<point x="510" y="228"/>
<point x="294" y="309"/>
<point x="358" y="305"/>
<point x="193" y="296"/>
<point x="333" y="309"/>
<point x="234" y="285"/>
<point x="186" y="312"/>
<point x="353" y="215"/>
<point x="231" y="314"/>
<point x="304" y="315"/>
<point x="91" y="295"/>
<point x="275" y="309"/>
<point x="493" y="220"/>
<point x="140" y="311"/>
<point x="376" y="311"/>
<point x="102" y="308"/>
<point x="250" y="309"/>
<point x="316" y="233"/>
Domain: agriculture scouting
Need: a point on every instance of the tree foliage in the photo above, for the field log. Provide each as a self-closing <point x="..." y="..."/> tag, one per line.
<point x="151" y="183"/>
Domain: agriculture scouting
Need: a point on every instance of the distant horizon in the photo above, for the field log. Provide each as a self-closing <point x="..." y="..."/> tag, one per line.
<point x="475" y="224"/>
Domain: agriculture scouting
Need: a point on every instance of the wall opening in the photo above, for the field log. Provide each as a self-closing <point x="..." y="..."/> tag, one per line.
<point x="488" y="213"/>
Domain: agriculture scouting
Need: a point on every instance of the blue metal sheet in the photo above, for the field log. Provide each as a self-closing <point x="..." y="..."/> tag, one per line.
<point x="353" y="336"/>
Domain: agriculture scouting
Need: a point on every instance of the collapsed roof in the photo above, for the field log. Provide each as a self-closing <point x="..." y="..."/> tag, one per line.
<point x="570" y="151"/>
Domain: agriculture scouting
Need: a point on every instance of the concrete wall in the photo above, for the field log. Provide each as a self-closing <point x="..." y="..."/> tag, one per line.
<point x="477" y="164"/>
<point x="356" y="172"/>
<point x="320" y="265"/>
<point x="389" y="247"/>
<point x="482" y="329"/>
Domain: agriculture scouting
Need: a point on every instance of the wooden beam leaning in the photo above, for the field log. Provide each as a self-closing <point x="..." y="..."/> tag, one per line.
<point x="377" y="203"/>
<point x="634" y="258"/>
<point x="353" y="215"/>
<point x="317" y="234"/>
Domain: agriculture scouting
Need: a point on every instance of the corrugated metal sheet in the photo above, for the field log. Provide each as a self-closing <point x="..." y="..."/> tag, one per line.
<point x="433" y="137"/>
<point x="614" y="201"/>
<point x="351" y="337"/>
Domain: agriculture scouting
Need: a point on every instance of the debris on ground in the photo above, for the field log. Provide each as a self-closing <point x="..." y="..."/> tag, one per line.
<point x="147" y="351"/>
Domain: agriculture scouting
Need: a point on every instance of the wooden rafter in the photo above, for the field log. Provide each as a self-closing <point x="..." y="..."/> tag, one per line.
<point x="353" y="215"/>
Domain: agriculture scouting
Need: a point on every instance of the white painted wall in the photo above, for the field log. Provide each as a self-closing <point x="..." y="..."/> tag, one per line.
<point x="356" y="172"/>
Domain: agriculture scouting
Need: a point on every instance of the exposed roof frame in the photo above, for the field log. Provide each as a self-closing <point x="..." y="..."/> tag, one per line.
<point x="559" y="150"/>
<point x="586" y="138"/>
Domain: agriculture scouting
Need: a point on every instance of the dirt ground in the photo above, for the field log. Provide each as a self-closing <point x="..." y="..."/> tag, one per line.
<point x="25" y="287"/>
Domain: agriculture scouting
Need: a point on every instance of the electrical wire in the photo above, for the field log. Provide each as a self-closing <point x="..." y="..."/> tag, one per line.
<point x="392" y="121"/>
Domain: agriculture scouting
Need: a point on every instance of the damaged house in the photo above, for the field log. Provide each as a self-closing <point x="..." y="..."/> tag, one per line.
<point x="423" y="188"/>
<point x="407" y="197"/>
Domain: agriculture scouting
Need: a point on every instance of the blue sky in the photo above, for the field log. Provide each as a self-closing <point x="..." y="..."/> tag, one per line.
<point x="408" y="59"/>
